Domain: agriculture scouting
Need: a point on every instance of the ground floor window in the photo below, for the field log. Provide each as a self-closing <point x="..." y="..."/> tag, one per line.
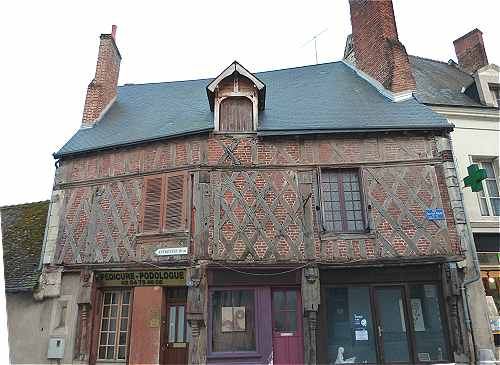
<point x="233" y="320"/>
<point x="114" y="333"/>
<point x="393" y="323"/>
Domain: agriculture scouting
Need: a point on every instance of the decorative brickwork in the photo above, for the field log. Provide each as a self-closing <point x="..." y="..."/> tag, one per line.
<point x="256" y="201"/>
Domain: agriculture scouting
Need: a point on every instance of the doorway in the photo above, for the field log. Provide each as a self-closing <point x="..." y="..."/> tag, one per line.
<point x="175" y="336"/>
<point x="288" y="344"/>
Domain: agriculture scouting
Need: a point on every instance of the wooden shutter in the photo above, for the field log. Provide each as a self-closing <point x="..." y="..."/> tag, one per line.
<point x="153" y="196"/>
<point x="175" y="201"/>
<point x="236" y="115"/>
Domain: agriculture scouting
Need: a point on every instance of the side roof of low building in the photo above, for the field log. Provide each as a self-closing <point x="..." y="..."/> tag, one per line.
<point x="23" y="228"/>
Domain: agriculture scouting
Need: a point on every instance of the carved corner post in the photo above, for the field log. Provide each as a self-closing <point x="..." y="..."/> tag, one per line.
<point x="201" y="207"/>
<point x="459" y="337"/>
<point x="83" y="325"/>
<point x="310" y="302"/>
<point x="196" y="314"/>
<point x="306" y="197"/>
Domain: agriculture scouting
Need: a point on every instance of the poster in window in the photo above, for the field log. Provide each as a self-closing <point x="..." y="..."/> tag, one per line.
<point x="233" y="319"/>
<point x="418" y="315"/>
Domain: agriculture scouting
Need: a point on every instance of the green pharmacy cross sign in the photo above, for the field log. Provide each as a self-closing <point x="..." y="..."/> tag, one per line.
<point x="476" y="175"/>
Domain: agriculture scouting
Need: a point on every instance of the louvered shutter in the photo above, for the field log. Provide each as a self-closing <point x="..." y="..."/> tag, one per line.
<point x="151" y="220"/>
<point x="175" y="211"/>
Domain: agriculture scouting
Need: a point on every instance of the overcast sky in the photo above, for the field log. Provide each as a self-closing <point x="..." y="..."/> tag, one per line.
<point x="49" y="51"/>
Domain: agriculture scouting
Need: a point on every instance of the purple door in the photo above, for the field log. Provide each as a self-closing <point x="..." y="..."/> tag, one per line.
<point x="288" y="344"/>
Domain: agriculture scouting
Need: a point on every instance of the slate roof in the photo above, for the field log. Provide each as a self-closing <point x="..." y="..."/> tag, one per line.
<point x="439" y="83"/>
<point x="320" y="98"/>
<point x="23" y="229"/>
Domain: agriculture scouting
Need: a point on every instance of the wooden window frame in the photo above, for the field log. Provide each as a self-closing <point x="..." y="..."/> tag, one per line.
<point x="163" y="203"/>
<point x="364" y="213"/>
<point x="118" y="328"/>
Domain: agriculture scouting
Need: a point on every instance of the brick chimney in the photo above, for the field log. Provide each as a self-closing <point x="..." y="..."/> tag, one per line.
<point x="470" y="51"/>
<point x="101" y="92"/>
<point x="377" y="49"/>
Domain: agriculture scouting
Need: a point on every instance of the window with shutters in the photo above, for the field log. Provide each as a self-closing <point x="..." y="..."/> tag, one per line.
<point x="342" y="203"/>
<point x="236" y="115"/>
<point x="164" y="203"/>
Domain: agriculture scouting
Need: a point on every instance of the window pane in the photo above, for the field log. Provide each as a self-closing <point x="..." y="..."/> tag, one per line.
<point x="123" y="338"/>
<point x="350" y="325"/>
<point x="492" y="188"/>
<point x="121" y="352"/>
<point x="488" y="166"/>
<point x="102" y="352"/>
<point x="180" y="325"/>
<point x="172" y="318"/>
<point x="233" y="321"/>
<point x="495" y="206"/>
<point x="483" y="206"/>
<point x="426" y="316"/>
<point x="110" y="353"/>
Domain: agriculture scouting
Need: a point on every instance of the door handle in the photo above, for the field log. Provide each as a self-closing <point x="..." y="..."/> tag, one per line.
<point x="379" y="331"/>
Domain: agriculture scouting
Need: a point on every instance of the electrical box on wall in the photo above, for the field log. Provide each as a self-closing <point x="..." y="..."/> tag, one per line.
<point x="56" y="348"/>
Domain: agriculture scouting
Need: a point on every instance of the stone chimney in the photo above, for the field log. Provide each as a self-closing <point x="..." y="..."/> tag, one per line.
<point x="377" y="49"/>
<point x="101" y="92"/>
<point x="470" y="51"/>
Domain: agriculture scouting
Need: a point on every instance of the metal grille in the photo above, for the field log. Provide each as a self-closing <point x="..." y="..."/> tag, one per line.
<point x="341" y="198"/>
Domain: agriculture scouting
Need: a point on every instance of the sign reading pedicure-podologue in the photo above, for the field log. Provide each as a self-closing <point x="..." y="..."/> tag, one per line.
<point x="142" y="278"/>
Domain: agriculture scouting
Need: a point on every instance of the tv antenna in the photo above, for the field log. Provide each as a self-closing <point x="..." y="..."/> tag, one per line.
<point x="315" y="44"/>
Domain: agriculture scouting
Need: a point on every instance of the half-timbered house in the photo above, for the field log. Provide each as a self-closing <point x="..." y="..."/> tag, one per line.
<point x="304" y="215"/>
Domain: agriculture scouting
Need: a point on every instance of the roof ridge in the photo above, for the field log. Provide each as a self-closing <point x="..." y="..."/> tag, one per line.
<point x="430" y="59"/>
<point x="21" y="204"/>
<point x="208" y="79"/>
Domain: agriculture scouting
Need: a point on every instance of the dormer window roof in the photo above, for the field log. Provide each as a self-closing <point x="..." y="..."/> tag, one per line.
<point x="236" y="69"/>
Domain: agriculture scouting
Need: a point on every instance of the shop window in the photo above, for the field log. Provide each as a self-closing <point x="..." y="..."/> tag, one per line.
<point x="236" y="115"/>
<point x="342" y="201"/>
<point x="489" y="198"/>
<point x="350" y="325"/>
<point x="427" y="323"/>
<point x="114" y="329"/>
<point x="385" y="324"/>
<point x="233" y="321"/>
<point x="164" y="203"/>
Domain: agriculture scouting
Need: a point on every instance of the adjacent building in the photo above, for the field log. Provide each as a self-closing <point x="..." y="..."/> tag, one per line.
<point x="305" y="215"/>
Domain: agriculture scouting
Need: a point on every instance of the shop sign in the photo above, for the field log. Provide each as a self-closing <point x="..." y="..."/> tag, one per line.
<point x="143" y="278"/>
<point x="434" y="214"/>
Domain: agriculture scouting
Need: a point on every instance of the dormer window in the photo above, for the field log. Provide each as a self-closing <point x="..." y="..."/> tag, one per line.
<point x="236" y="97"/>
<point x="236" y="114"/>
<point x="495" y="93"/>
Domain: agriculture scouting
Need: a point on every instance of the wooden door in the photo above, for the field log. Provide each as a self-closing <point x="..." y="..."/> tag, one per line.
<point x="288" y="343"/>
<point x="392" y="325"/>
<point x="175" y="338"/>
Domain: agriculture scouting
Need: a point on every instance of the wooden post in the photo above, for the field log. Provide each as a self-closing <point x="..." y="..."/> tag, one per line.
<point x="310" y="301"/>
<point x="306" y="197"/>
<point x="196" y="314"/>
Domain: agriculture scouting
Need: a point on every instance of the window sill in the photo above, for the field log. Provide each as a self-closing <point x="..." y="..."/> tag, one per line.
<point x="346" y="235"/>
<point x="241" y="133"/>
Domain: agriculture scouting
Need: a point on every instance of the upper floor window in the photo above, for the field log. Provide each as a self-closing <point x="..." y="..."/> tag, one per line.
<point x="236" y="115"/>
<point x="342" y="201"/>
<point x="164" y="203"/>
<point x="489" y="199"/>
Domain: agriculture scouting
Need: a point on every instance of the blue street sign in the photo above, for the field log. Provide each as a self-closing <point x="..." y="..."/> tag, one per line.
<point x="434" y="214"/>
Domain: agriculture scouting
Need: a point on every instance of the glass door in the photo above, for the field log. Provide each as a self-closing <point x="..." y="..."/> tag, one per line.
<point x="392" y="325"/>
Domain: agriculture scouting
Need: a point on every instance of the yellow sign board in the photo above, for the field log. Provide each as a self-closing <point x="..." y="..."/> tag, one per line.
<point x="143" y="278"/>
